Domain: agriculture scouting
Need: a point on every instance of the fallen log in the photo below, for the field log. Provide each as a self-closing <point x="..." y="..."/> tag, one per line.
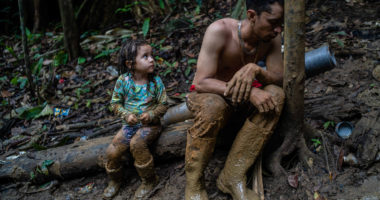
<point x="86" y="157"/>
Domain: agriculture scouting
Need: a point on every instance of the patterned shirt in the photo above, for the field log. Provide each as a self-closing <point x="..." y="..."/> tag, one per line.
<point x="130" y="98"/>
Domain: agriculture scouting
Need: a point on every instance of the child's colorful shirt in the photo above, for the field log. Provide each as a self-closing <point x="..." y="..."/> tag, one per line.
<point x="130" y="98"/>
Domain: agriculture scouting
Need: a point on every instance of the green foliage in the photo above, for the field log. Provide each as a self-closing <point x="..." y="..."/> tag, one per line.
<point x="81" y="60"/>
<point x="35" y="112"/>
<point x="316" y="142"/>
<point x="128" y="7"/>
<point x="145" y="27"/>
<point x="340" y="42"/>
<point x="82" y="89"/>
<point x="107" y="52"/>
<point x="22" y="80"/>
<point x="12" y="52"/>
<point x="162" y="4"/>
<point x="327" y="124"/>
<point x="36" y="68"/>
<point x="372" y="85"/>
<point x="4" y="102"/>
<point x="60" y="59"/>
<point x="88" y="103"/>
<point x="88" y="33"/>
<point x="32" y="38"/>
<point x="190" y="62"/>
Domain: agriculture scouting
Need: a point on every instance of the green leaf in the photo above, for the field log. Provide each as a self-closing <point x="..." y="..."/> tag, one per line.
<point x="162" y="4"/>
<point x="14" y="80"/>
<point x="3" y="78"/>
<point x="187" y="71"/>
<point x="145" y="27"/>
<point x="38" y="147"/>
<point x="32" y="175"/>
<point x="10" y="49"/>
<point x="81" y="60"/>
<point x="86" y="83"/>
<point x="76" y="105"/>
<point x="340" y="43"/>
<point x="372" y="85"/>
<point x="192" y="61"/>
<point x="168" y="64"/>
<point x="35" y="112"/>
<point x="47" y="163"/>
<point x="88" y="103"/>
<point x="341" y="33"/>
<point x="22" y="81"/>
<point x="37" y="67"/>
<point x="316" y="142"/>
<point x="328" y="124"/>
<point x="167" y="72"/>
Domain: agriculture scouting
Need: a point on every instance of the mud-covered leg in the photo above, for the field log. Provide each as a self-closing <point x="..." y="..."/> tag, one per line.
<point x="210" y="111"/>
<point x="245" y="149"/>
<point x="113" y="165"/>
<point x="144" y="159"/>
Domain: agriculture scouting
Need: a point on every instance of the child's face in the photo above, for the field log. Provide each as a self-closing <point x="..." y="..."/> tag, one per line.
<point x="144" y="60"/>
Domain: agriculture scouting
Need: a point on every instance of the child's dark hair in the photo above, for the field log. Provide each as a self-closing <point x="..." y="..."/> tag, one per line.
<point x="128" y="52"/>
<point x="262" y="5"/>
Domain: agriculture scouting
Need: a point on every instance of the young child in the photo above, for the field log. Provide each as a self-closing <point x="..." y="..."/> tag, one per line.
<point x="139" y="99"/>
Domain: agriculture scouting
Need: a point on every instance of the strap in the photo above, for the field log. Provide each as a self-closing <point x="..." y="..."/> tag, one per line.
<point x="245" y="51"/>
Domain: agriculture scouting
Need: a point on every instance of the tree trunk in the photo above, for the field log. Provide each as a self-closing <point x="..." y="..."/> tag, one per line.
<point x="82" y="158"/>
<point x="28" y="72"/>
<point x="70" y="29"/>
<point x="292" y="121"/>
<point x="37" y="17"/>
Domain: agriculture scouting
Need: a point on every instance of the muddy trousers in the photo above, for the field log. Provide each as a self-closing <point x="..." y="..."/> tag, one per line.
<point x="211" y="112"/>
<point x="138" y="146"/>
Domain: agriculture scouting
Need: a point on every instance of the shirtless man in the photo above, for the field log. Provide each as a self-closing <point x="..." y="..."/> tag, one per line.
<point x="226" y="70"/>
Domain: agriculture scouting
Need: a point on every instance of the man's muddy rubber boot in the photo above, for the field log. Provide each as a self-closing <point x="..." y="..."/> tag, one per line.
<point x="198" y="153"/>
<point x="246" y="147"/>
<point x="149" y="179"/>
<point x="115" y="178"/>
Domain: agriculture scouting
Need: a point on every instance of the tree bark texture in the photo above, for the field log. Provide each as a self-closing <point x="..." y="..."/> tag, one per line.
<point x="78" y="159"/>
<point x="70" y="29"/>
<point x="28" y="72"/>
<point x="291" y="123"/>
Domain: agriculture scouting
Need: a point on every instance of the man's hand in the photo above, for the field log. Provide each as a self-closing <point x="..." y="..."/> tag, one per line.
<point x="131" y="119"/>
<point x="145" y="118"/>
<point x="241" y="83"/>
<point x="263" y="100"/>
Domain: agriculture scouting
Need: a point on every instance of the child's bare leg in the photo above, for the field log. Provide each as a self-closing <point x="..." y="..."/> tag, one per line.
<point x="144" y="159"/>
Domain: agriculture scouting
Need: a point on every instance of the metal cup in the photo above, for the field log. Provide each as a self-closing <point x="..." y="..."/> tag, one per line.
<point x="318" y="61"/>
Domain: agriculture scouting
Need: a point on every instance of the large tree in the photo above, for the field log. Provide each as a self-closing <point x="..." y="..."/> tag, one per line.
<point x="70" y="29"/>
<point x="292" y="125"/>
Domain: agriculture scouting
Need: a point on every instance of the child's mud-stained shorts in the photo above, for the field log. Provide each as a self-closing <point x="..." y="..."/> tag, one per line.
<point x="129" y="132"/>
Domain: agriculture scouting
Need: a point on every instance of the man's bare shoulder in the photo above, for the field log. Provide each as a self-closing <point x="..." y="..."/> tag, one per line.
<point x="222" y="27"/>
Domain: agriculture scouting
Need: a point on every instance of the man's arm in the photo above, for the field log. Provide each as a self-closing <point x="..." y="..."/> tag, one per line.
<point x="274" y="63"/>
<point x="207" y="66"/>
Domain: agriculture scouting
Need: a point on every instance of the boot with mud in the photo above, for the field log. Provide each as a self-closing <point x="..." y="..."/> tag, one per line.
<point x="244" y="151"/>
<point x="149" y="179"/>
<point x="198" y="153"/>
<point x="115" y="178"/>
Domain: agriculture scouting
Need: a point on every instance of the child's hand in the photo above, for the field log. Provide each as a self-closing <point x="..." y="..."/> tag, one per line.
<point x="132" y="119"/>
<point x="145" y="118"/>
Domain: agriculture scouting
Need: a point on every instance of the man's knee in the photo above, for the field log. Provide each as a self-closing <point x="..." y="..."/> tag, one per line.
<point x="277" y="92"/>
<point x="210" y="106"/>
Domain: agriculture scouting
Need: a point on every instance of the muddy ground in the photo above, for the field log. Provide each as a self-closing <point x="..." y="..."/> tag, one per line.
<point x="349" y="92"/>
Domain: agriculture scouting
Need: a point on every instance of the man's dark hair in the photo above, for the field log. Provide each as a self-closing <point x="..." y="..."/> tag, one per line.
<point x="262" y="5"/>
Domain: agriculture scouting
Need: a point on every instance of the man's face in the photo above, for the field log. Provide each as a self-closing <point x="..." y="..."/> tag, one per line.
<point x="269" y="24"/>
